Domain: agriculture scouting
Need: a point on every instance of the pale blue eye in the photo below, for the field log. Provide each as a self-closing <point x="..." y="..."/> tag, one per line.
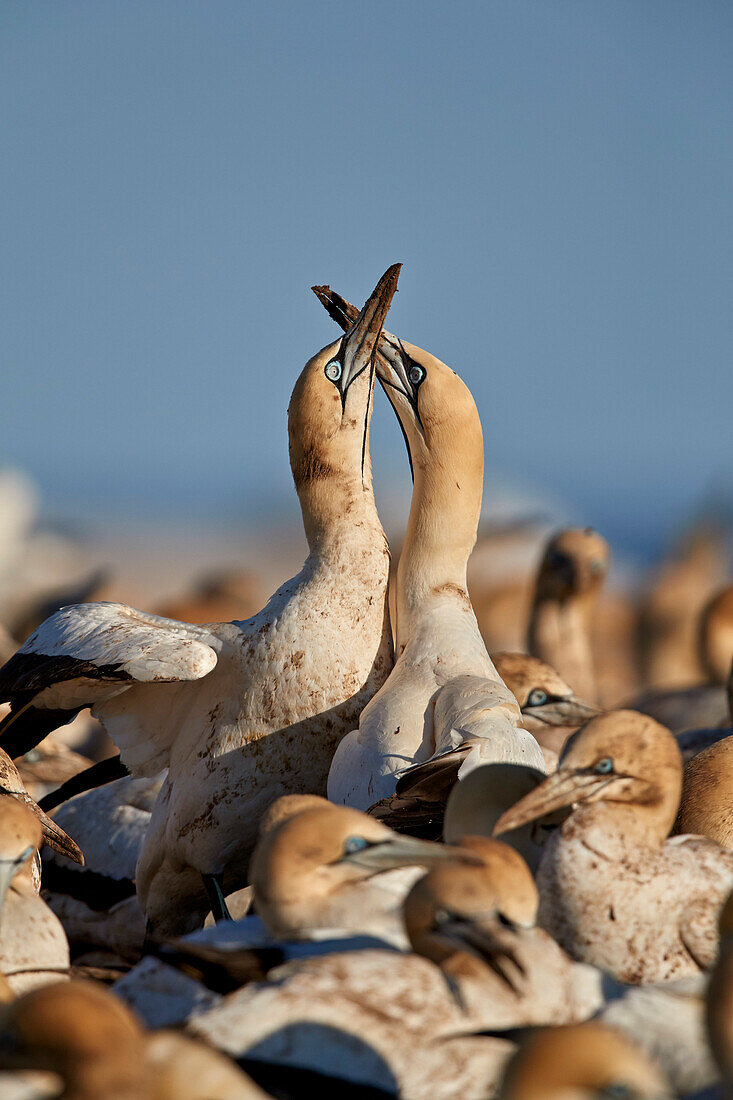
<point x="355" y="844"/>
<point x="416" y="375"/>
<point x="333" y="370"/>
<point x="536" y="697"/>
<point x="603" y="767"/>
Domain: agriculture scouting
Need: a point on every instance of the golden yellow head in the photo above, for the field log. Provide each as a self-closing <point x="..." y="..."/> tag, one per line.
<point x="540" y="691"/>
<point x="622" y="758"/>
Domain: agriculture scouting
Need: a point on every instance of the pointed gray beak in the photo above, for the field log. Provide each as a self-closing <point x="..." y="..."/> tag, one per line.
<point x="358" y="349"/>
<point x="569" y="711"/>
<point x="405" y="851"/>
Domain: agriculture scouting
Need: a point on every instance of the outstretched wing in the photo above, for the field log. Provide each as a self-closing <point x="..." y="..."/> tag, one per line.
<point x="86" y="654"/>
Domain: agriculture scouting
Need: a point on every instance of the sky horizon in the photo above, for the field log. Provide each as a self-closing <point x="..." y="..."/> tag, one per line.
<point x="555" y="178"/>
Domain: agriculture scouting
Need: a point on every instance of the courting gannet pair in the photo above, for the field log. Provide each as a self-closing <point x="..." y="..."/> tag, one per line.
<point x="444" y="695"/>
<point x="239" y="713"/>
<point x="614" y="891"/>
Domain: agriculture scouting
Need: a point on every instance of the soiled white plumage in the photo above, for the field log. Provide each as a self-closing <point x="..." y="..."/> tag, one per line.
<point x="444" y="693"/>
<point x="240" y="713"/>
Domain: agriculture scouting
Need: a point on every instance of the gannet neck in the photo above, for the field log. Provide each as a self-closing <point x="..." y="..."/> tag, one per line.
<point x="571" y="574"/>
<point x="559" y="634"/>
<point x="447" y="455"/>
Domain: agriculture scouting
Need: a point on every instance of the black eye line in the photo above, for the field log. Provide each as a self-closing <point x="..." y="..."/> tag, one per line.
<point x="414" y="386"/>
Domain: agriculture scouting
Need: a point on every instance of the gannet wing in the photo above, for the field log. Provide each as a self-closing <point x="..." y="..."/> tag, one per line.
<point x="87" y="653"/>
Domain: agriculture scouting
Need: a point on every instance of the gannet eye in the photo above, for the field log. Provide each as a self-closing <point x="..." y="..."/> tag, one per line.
<point x="536" y="697"/>
<point x="604" y="766"/>
<point x="416" y="374"/>
<point x="333" y="370"/>
<point x="355" y="844"/>
<point x="617" y="1090"/>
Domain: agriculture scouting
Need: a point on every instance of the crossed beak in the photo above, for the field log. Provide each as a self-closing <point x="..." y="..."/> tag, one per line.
<point x="405" y="851"/>
<point x="358" y="349"/>
<point x="562" y="789"/>
<point x="569" y="711"/>
<point x="492" y="942"/>
<point x="392" y="370"/>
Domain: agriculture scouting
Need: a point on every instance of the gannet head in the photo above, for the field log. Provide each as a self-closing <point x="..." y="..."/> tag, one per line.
<point x="584" y="1061"/>
<point x="575" y="563"/>
<point x="302" y="862"/>
<point x="20" y="839"/>
<point x="459" y="909"/>
<point x="79" y="1031"/>
<point x="330" y="407"/>
<point x="540" y="691"/>
<point x="624" y="762"/>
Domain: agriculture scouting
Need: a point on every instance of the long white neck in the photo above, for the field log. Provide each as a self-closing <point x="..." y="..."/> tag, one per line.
<point x="441" y="533"/>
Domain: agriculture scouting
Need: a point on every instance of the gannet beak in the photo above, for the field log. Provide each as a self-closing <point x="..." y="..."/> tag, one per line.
<point x="358" y="348"/>
<point x="8" y="868"/>
<point x="569" y="711"/>
<point x="563" y="788"/>
<point x="403" y="851"/>
<point x="492" y="942"/>
<point x="392" y="361"/>
<point x="53" y="835"/>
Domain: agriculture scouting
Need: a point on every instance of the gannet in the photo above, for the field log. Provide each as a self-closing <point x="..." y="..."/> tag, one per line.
<point x="405" y="1022"/>
<point x="315" y="869"/>
<point x="581" y="1062"/>
<point x="477" y="923"/>
<point x="613" y="890"/>
<point x="546" y="702"/>
<point x="706" y="806"/>
<point x="444" y="694"/>
<point x="240" y="712"/>
<point x="716" y="636"/>
<point x="33" y="947"/>
<point x="571" y="574"/>
<point x="92" y="1041"/>
<point x="686" y="580"/>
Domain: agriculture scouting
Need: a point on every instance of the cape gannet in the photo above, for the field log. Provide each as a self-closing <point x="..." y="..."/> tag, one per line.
<point x="614" y="891"/>
<point x="240" y="712"/>
<point x="315" y="869"/>
<point x="477" y="923"/>
<point x="92" y="1041"/>
<point x="444" y="694"/>
<point x="570" y="577"/>
<point x="547" y="703"/>
<point x="33" y="947"/>
<point x="706" y="806"/>
<point x="581" y="1062"/>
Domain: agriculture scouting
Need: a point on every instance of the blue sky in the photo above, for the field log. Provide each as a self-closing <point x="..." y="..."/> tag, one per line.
<point x="556" y="177"/>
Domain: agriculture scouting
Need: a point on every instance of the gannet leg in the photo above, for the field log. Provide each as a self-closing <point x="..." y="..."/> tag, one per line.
<point x="216" y="897"/>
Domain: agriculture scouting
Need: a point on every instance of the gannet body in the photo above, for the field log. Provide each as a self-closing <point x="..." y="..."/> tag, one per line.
<point x="706" y="806"/>
<point x="571" y="573"/>
<point x="422" y="792"/>
<point x="239" y="713"/>
<point x="33" y="947"/>
<point x="444" y="694"/>
<point x="613" y="891"/>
